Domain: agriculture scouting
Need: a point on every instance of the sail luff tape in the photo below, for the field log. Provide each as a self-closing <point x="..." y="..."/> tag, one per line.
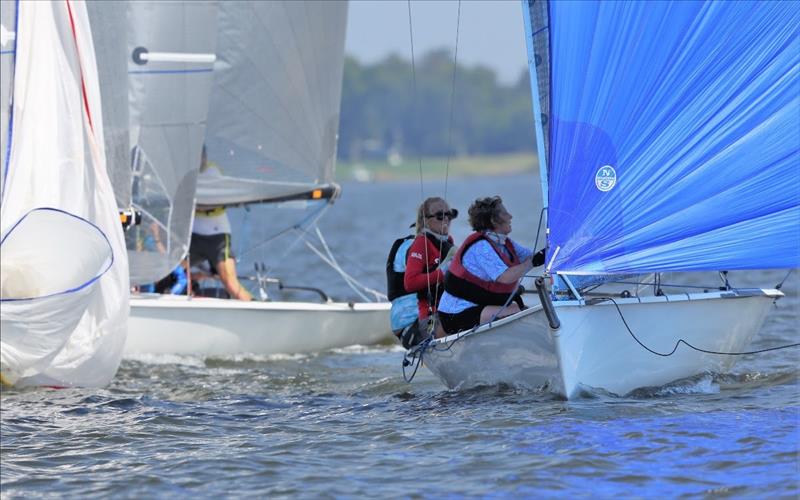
<point x="142" y="56"/>
<point x="555" y="254"/>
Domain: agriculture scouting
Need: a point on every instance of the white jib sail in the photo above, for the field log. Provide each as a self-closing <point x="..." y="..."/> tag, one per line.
<point x="64" y="267"/>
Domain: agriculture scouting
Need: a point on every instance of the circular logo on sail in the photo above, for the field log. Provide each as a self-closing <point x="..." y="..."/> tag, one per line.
<point x="605" y="178"/>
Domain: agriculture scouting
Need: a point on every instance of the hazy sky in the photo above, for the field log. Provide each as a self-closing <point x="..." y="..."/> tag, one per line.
<point x="491" y="31"/>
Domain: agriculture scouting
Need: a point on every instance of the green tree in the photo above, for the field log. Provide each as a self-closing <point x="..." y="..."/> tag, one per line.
<point x="383" y="110"/>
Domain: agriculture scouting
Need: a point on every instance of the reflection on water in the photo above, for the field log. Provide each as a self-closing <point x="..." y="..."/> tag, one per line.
<point x="344" y="423"/>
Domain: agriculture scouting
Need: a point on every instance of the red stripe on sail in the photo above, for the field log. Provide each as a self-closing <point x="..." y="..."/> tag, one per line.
<point x="80" y="67"/>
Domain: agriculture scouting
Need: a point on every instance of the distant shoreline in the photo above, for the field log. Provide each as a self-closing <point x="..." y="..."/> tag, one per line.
<point x="436" y="168"/>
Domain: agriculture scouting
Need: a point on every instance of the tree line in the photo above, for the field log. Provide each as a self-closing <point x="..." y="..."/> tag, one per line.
<point x="383" y="111"/>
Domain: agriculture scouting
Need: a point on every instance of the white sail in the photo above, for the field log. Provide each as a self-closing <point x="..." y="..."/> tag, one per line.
<point x="64" y="266"/>
<point x="274" y="114"/>
<point x="109" y="30"/>
<point x="272" y="125"/>
<point x="170" y="63"/>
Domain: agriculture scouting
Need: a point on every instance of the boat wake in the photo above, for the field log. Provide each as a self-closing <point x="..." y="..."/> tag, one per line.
<point x="704" y="383"/>
<point x="167" y="359"/>
<point x="713" y="383"/>
<point x="368" y="349"/>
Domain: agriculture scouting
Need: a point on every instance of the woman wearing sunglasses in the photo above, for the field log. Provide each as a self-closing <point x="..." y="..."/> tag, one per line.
<point x="424" y="269"/>
<point x="483" y="279"/>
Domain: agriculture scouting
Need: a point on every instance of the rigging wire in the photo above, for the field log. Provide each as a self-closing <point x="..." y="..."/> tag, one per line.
<point x="682" y="341"/>
<point x="418" y="230"/>
<point x="452" y="102"/>
<point x="414" y="93"/>
<point x="302" y="228"/>
<point x="331" y="260"/>
<point x="779" y="285"/>
<point x="449" y="147"/>
<point x="306" y="222"/>
<point x="450" y="129"/>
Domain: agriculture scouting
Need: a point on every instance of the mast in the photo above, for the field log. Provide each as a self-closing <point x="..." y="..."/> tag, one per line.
<point x="534" y="11"/>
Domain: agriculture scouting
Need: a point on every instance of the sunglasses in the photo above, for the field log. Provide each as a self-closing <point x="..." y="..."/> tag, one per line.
<point x="450" y="214"/>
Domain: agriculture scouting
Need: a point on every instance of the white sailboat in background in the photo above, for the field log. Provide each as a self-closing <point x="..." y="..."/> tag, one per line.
<point x="272" y="131"/>
<point x="64" y="267"/>
<point x="670" y="147"/>
<point x="170" y="57"/>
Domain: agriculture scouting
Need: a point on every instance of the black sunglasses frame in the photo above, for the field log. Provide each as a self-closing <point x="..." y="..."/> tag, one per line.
<point x="450" y="214"/>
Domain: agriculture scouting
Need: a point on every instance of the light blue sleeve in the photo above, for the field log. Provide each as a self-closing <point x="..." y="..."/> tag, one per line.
<point x="482" y="261"/>
<point x="522" y="252"/>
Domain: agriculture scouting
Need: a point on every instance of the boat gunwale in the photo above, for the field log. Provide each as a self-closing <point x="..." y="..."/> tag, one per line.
<point x="158" y="301"/>
<point x="734" y="293"/>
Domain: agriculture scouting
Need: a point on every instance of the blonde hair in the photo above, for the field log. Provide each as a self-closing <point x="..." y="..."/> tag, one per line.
<point x="423" y="210"/>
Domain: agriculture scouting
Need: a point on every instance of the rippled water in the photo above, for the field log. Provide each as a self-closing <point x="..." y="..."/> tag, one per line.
<point x="344" y="423"/>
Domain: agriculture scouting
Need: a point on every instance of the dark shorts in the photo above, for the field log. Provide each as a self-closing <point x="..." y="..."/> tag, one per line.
<point x="465" y="320"/>
<point x="213" y="248"/>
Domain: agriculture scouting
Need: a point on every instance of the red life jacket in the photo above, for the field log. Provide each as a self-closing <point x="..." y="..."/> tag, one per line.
<point x="463" y="284"/>
<point x="429" y="250"/>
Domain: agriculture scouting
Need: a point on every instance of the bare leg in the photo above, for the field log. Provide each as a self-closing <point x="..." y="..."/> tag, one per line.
<point x="227" y="274"/>
<point x="439" y="332"/>
<point x="489" y="311"/>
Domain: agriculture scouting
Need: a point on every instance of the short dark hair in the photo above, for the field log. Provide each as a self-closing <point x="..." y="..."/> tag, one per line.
<point x="483" y="212"/>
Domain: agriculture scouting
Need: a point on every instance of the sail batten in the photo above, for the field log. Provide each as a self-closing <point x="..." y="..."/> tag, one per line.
<point x="675" y="141"/>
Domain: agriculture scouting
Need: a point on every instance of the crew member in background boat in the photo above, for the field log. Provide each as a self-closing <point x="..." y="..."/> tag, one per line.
<point x="425" y="265"/>
<point x="211" y="240"/>
<point x="483" y="278"/>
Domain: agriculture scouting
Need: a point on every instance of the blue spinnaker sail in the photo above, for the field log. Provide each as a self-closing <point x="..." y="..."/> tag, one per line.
<point x="674" y="134"/>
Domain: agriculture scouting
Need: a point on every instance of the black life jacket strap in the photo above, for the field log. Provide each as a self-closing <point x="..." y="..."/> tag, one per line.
<point x="467" y="290"/>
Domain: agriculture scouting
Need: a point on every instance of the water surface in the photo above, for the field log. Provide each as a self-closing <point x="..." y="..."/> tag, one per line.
<point x="344" y="423"/>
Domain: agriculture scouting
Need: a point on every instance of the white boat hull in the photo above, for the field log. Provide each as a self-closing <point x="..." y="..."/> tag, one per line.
<point x="164" y="324"/>
<point x="594" y="348"/>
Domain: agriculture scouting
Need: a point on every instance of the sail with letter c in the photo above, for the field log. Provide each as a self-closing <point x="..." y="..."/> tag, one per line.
<point x="674" y="146"/>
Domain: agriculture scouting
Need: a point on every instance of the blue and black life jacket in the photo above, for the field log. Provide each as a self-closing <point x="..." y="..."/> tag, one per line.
<point x="394" y="279"/>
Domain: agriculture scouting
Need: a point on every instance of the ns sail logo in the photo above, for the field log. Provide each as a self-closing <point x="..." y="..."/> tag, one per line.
<point x="605" y="178"/>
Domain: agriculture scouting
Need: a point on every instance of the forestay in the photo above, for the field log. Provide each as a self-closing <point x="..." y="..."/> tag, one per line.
<point x="274" y="112"/>
<point x="64" y="266"/>
<point x="170" y="61"/>
<point x="673" y="145"/>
